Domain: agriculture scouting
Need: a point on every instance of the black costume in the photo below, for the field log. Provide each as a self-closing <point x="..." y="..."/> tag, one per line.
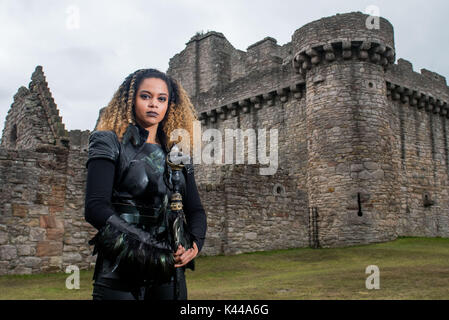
<point x="132" y="199"/>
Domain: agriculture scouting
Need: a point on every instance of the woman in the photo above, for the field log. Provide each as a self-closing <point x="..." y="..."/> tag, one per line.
<point x="136" y="196"/>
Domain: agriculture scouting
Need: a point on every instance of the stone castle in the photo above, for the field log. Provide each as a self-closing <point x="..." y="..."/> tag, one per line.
<point x="363" y="149"/>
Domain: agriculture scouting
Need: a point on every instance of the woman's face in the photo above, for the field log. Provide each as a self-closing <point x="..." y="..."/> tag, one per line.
<point x="151" y="102"/>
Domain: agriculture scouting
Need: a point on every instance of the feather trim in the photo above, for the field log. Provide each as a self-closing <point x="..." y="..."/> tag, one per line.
<point x="134" y="259"/>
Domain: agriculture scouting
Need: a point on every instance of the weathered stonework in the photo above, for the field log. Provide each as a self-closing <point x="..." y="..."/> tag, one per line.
<point x="42" y="182"/>
<point x="363" y="149"/>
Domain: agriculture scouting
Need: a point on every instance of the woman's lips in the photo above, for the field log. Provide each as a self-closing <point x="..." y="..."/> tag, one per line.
<point x="152" y="114"/>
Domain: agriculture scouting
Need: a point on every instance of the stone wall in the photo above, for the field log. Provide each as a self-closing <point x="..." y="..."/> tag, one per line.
<point x="418" y="103"/>
<point x="42" y="182"/>
<point x="39" y="213"/>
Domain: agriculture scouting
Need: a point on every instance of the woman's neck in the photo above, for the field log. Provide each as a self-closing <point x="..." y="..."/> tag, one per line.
<point x="152" y="134"/>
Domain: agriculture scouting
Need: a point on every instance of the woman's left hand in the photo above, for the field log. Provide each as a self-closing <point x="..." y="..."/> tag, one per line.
<point x="183" y="256"/>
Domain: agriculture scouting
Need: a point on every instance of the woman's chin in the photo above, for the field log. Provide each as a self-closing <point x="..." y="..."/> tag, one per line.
<point x="149" y="123"/>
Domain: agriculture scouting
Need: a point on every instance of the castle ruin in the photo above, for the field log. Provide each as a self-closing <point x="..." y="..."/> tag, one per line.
<point x="363" y="149"/>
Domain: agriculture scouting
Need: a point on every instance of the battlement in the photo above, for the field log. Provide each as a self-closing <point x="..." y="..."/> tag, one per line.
<point x="426" y="90"/>
<point x="407" y="67"/>
<point x="347" y="26"/>
<point x="343" y="37"/>
<point x="210" y="63"/>
<point x="79" y="138"/>
<point x="210" y="66"/>
<point x="201" y="36"/>
<point x="434" y="76"/>
<point x="265" y="42"/>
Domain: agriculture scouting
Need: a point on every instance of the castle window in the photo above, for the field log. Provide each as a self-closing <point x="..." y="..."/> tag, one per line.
<point x="279" y="190"/>
<point x="359" y="202"/>
<point x="13" y="135"/>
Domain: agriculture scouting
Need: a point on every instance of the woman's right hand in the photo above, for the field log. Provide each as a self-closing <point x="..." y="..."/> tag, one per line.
<point x="183" y="256"/>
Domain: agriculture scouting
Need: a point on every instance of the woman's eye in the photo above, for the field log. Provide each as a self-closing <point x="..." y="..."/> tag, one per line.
<point x="163" y="99"/>
<point x="144" y="96"/>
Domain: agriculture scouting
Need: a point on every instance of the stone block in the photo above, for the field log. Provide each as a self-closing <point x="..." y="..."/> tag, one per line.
<point x="371" y="165"/>
<point x="4" y="267"/>
<point x="48" y="248"/>
<point x="32" y="262"/>
<point x="251" y="236"/>
<point x="21" y="270"/>
<point x="71" y="257"/>
<point x="55" y="262"/>
<point x="3" y="237"/>
<point x="8" y="252"/>
<point x="356" y="167"/>
<point x="341" y="168"/>
<point x="47" y="221"/>
<point x="378" y="174"/>
<point x="37" y="210"/>
<point x="25" y="250"/>
<point x="37" y="234"/>
<point x="55" y="234"/>
<point x="365" y="175"/>
<point x="71" y="240"/>
<point x="19" y="210"/>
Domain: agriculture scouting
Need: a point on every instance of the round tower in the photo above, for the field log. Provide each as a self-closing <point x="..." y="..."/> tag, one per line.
<point x="351" y="172"/>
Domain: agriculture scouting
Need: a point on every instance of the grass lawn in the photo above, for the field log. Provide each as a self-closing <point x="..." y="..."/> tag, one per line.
<point x="410" y="268"/>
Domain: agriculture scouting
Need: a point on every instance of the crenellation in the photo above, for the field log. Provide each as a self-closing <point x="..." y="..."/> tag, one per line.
<point x="420" y="99"/>
<point x="405" y="65"/>
<point x="434" y="76"/>
<point x="257" y="101"/>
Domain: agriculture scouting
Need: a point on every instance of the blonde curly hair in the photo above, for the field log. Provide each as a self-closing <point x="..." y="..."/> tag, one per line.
<point x="119" y="113"/>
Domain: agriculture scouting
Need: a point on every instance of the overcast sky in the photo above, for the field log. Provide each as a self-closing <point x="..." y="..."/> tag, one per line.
<point x="86" y="59"/>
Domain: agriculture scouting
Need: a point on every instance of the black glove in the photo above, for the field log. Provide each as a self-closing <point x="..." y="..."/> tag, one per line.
<point x="137" y="253"/>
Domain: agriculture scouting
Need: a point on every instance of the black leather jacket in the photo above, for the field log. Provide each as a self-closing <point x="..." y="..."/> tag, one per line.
<point x="142" y="184"/>
<point x="142" y="177"/>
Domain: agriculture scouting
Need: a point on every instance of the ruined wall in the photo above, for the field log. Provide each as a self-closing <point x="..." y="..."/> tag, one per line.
<point x="42" y="182"/>
<point x="42" y="225"/>
<point x="33" y="118"/>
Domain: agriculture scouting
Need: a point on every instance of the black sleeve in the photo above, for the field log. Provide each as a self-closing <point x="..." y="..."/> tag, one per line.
<point x="194" y="211"/>
<point x="99" y="184"/>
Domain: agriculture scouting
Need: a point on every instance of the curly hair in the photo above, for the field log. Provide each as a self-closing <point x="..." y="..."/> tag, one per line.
<point x="119" y="113"/>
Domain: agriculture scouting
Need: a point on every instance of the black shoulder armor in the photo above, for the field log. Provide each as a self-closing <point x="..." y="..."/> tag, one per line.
<point x="103" y="145"/>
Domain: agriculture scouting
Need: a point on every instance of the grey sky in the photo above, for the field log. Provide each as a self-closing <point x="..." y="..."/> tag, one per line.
<point x="85" y="65"/>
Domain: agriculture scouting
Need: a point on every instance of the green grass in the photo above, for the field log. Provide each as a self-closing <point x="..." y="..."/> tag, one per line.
<point x="410" y="268"/>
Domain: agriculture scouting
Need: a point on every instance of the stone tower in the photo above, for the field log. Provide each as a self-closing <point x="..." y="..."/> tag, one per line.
<point x="352" y="175"/>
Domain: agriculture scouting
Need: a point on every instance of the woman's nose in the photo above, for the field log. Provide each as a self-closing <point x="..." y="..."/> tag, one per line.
<point x="152" y="103"/>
